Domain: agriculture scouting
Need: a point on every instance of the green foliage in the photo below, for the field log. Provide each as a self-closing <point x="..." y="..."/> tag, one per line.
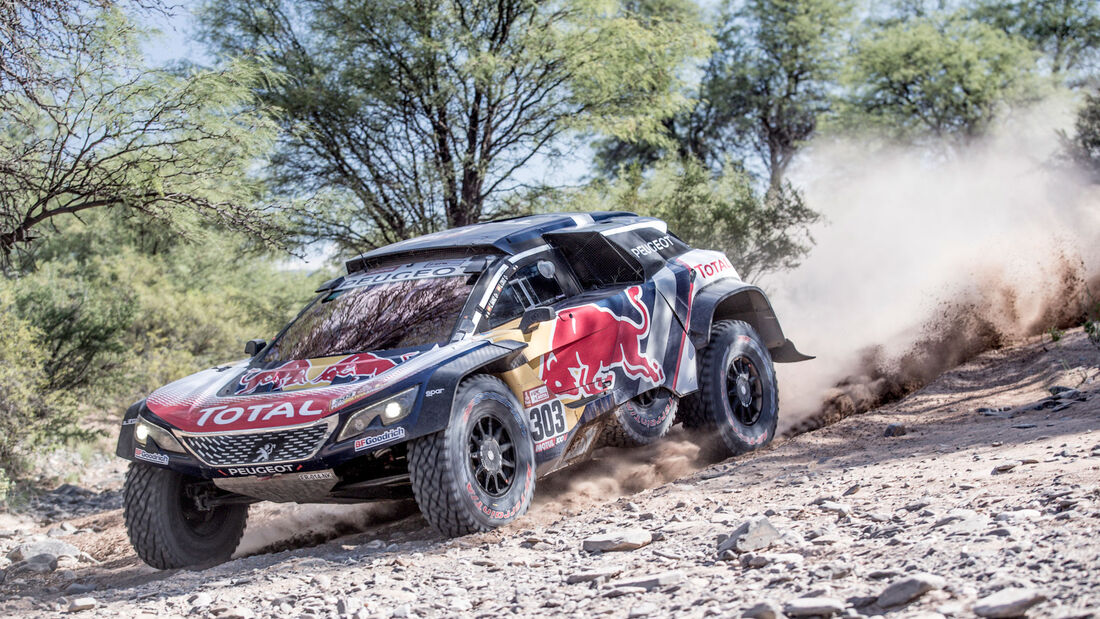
<point x="97" y="129"/>
<point x="760" y="232"/>
<point x="762" y="92"/>
<point x="939" y="76"/>
<point x="1083" y="148"/>
<point x="1066" y="32"/>
<point x="32" y="417"/>
<point x="124" y="312"/>
<point x="406" y="117"/>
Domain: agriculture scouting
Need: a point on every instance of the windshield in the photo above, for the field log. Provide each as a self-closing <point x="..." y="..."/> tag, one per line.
<point x="371" y="311"/>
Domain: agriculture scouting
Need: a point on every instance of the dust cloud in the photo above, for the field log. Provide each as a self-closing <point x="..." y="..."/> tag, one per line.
<point x="273" y="527"/>
<point x="929" y="256"/>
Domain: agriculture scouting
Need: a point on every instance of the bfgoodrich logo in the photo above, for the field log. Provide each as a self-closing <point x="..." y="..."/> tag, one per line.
<point x="141" y="454"/>
<point x="368" y="442"/>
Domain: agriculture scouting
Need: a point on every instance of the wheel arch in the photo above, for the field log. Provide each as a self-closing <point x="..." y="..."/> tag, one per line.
<point x="736" y="300"/>
<point x="496" y="358"/>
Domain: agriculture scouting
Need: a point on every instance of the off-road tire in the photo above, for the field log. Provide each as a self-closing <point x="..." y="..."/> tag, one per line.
<point x="641" y="420"/>
<point x="443" y="478"/>
<point x="159" y="529"/>
<point x="735" y="341"/>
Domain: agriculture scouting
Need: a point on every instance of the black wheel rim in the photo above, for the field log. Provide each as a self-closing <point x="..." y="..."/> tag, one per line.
<point x="201" y="522"/>
<point x="744" y="390"/>
<point x="492" y="456"/>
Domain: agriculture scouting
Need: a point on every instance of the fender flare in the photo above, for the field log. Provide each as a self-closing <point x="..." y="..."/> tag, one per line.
<point x="736" y="300"/>
<point x="435" y="412"/>
<point x="125" y="446"/>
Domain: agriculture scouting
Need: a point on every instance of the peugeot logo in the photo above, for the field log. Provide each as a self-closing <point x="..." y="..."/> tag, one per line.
<point x="263" y="454"/>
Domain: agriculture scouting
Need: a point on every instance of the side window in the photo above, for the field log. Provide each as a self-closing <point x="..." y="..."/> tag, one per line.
<point x="526" y="288"/>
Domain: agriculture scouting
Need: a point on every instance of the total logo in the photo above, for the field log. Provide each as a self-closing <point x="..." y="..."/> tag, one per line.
<point x="225" y="415"/>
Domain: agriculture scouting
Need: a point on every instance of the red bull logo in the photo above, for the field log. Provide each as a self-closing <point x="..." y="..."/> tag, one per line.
<point x="297" y="374"/>
<point x="591" y="341"/>
<point x="291" y="374"/>
<point x="355" y="367"/>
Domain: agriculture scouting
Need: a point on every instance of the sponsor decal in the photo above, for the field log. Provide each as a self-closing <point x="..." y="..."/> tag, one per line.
<point x="653" y="247"/>
<point x="376" y="440"/>
<point x="713" y="266"/>
<point x="431" y="393"/>
<point x="225" y="415"/>
<point x="547" y="422"/>
<point x="385" y="275"/>
<point x="270" y="469"/>
<point x="590" y="341"/>
<point x="129" y="422"/>
<point x="538" y="395"/>
<point x="316" y="476"/>
<point x="303" y="374"/>
<point x="141" y="454"/>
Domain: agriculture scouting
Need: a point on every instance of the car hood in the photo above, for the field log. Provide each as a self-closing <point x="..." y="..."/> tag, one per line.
<point x="239" y="397"/>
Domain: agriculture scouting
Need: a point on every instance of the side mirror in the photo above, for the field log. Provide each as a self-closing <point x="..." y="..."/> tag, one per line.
<point x="534" y="316"/>
<point x="253" y="347"/>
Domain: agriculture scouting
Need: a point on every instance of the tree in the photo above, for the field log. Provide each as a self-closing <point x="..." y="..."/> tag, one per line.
<point x="1084" y="146"/>
<point x="1067" y="32"/>
<point x="405" y="117"/>
<point x="763" y="91"/>
<point x="937" y="75"/>
<point x="89" y="127"/>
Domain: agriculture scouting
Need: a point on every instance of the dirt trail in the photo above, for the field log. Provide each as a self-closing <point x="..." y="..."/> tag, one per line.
<point x="854" y="511"/>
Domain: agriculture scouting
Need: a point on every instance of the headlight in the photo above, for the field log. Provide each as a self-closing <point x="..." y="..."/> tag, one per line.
<point x="145" y="430"/>
<point x="390" y="410"/>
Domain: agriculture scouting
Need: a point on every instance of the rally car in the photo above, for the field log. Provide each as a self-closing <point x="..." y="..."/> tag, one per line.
<point x="458" y="368"/>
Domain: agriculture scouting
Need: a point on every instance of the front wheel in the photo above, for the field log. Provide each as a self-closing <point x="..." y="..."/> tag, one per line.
<point x="738" y="393"/>
<point x="166" y="526"/>
<point x="478" y="473"/>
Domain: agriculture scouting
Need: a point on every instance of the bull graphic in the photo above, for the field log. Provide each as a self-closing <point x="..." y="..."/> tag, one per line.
<point x="296" y="374"/>
<point x="594" y="341"/>
<point x="355" y="367"/>
<point x="291" y="374"/>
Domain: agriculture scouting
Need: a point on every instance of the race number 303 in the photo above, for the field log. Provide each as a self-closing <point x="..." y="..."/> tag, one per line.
<point x="547" y="420"/>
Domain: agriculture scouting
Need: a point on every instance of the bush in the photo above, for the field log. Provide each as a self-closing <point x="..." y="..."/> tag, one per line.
<point x="32" y="417"/>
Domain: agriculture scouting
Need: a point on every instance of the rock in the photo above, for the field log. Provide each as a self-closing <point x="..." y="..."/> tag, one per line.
<point x="237" y="612"/>
<point x="837" y="508"/>
<point x="1004" y="468"/>
<point x="753" y="534"/>
<point x="644" y="609"/>
<point x="351" y="605"/>
<point x="38" y="564"/>
<point x="764" y="610"/>
<point x="53" y="547"/>
<point x="619" y="540"/>
<point x="650" y="581"/>
<point x="1011" y="602"/>
<point x="1066" y="393"/>
<point x="200" y="600"/>
<point x="591" y="575"/>
<point x="76" y="588"/>
<point x="79" y="604"/>
<point x="895" y="429"/>
<point x="813" y="607"/>
<point x="850" y="491"/>
<point x="321" y="581"/>
<point x="909" y="588"/>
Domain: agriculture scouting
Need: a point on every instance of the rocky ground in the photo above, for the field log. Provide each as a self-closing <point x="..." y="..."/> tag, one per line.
<point x="977" y="495"/>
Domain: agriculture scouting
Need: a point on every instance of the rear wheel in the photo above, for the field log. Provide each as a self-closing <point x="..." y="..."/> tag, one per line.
<point x="166" y="526"/>
<point x="479" y="473"/>
<point x="738" y="392"/>
<point x="641" y="420"/>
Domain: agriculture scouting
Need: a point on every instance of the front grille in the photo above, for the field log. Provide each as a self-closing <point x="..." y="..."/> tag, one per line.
<point x="259" y="447"/>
